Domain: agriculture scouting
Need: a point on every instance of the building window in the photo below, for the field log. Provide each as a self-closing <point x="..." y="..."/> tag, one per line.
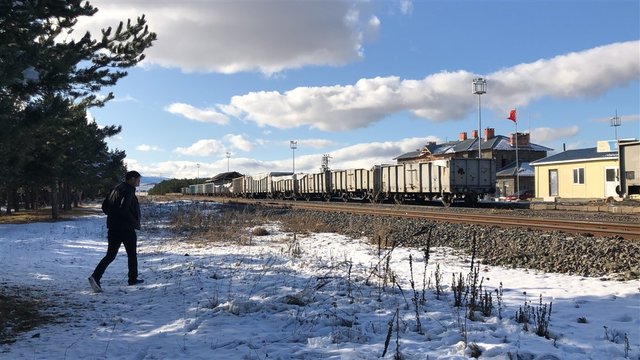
<point x="578" y="176"/>
<point x="553" y="182"/>
<point x="630" y="175"/>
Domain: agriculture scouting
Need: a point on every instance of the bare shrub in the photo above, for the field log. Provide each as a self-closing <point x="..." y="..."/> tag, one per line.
<point x="259" y="231"/>
<point x="382" y="236"/>
<point x="438" y="280"/>
<point x="293" y="247"/>
<point x="538" y="316"/>
<point x="474" y="350"/>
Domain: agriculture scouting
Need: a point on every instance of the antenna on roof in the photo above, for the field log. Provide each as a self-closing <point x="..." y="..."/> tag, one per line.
<point x="615" y="122"/>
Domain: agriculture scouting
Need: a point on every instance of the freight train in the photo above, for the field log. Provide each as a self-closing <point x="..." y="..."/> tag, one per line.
<point x="444" y="179"/>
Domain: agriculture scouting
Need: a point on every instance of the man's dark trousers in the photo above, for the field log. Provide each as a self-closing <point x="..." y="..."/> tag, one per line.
<point x="116" y="237"/>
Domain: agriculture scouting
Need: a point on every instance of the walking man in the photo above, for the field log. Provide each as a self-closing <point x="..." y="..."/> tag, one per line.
<point x="123" y="219"/>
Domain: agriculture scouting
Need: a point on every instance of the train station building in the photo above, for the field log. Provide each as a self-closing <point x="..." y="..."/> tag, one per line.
<point x="498" y="147"/>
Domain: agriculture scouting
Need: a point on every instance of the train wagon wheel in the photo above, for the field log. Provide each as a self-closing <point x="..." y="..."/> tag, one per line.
<point x="471" y="199"/>
<point x="446" y="200"/>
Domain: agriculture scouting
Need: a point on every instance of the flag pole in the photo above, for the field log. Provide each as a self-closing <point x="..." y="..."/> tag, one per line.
<point x="514" y="117"/>
<point x="517" y="163"/>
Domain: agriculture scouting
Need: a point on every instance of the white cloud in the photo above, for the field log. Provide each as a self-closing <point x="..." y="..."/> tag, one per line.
<point x="315" y="143"/>
<point x="207" y="115"/>
<point x="584" y="74"/>
<point x="238" y="142"/>
<point x="125" y="98"/>
<point x="443" y="96"/>
<point x="545" y="134"/>
<point x="406" y="6"/>
<point x="146" y="148"/>
<point x="205" y="147"/>
<point x="235" y="36"/>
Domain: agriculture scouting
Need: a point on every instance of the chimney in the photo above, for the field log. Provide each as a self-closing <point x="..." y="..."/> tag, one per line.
<point x="522" y="138"/>
<point x="474" y="134"/>
<point x="489" y="133"/>
<point x="462" y="136"/>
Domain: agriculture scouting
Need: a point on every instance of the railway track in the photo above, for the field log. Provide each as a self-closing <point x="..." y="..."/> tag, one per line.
<point x="624" y="230"/>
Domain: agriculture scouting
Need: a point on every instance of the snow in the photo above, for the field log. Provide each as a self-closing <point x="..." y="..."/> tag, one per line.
<point x="314" y="296"/>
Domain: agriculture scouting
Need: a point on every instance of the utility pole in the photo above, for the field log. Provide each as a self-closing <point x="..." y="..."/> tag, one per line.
<point x="293" y="145"/>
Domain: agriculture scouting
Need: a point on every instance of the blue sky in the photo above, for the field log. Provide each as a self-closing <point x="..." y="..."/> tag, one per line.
<point x="364" y="81"/>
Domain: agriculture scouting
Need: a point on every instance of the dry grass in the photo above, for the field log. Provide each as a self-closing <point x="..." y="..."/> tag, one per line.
<point x="20" y="312"/>
<point x="44" y="214"/>
<point x="303" y="223"/>
<point x="197" y="224"/>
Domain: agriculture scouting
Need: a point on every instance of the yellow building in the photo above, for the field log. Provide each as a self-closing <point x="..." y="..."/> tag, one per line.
<point x="591" y="173"/>
<point x="629" y="155"/>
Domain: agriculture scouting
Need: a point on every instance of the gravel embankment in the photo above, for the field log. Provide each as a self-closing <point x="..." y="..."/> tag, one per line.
<point x="512" y="247"/>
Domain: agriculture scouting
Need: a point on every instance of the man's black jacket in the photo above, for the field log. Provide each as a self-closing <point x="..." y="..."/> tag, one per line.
<point x="124" y="210"/>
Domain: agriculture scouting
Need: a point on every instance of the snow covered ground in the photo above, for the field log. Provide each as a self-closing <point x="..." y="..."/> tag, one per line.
<point x="310" y="297"/>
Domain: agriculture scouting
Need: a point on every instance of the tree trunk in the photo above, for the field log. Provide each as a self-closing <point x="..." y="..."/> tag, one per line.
<point x="9" y="200"/>
<point x="67" y="196"/>
<point x="77" y="198"/>
<point x="55" y="207"/>
<point x="16" y="200"/>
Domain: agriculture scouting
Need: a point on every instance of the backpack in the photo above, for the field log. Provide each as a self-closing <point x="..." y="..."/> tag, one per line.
<point x="106" y="203"/>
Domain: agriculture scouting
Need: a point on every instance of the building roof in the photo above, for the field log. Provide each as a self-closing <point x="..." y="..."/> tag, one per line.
<point x="525" y="169"/>
<point x="588" y="154"/>
<point x="225" y="176"/>
<point x="499" y="142"/>
<point x="409" y="155"/>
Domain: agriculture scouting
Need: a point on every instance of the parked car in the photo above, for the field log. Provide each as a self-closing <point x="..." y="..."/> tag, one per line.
<point x="521" y="195"/>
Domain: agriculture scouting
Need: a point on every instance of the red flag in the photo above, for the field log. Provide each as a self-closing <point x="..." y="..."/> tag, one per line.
<point x="512" y="115"/>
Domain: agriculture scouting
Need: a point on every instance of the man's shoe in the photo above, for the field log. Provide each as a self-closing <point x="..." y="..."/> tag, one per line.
<point x="95" y="284"/>
<point x="135" y="282"/>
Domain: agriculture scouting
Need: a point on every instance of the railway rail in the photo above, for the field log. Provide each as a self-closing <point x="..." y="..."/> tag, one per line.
<point x="624" y="230"/>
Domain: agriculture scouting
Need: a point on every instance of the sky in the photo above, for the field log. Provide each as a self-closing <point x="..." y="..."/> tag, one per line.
<point x="229" y="84"/>
<point x="231" y="301"/>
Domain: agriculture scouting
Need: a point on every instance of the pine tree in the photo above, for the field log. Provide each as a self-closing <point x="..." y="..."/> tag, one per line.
<point x="46" y="85"/>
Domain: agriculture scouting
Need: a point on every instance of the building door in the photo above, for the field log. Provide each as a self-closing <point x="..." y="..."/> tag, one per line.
<point x="553" y="182"/>
<point x="611" y="180"/>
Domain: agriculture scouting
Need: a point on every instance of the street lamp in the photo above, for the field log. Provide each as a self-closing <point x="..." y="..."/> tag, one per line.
<point x="615" y="122"/>
<point x="479" y="88"/>
<point x="293" y="145"/>
<point x="228" y="156"/>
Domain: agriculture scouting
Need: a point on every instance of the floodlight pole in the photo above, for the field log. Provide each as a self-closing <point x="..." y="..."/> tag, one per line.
<point x="293" y="145"/>
<point x="228" y="156"/>
<point x="479" y="88"/>
<point x="198" y="173"/>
